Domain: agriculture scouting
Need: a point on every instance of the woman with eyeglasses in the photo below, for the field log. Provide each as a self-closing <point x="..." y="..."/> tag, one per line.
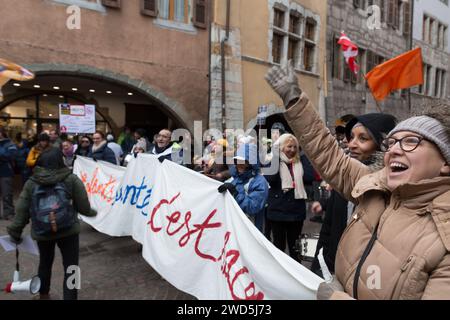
<point x="398" y="241"/>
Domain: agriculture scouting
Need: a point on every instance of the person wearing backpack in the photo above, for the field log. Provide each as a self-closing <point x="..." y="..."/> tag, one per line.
<point x="51" y="198"/>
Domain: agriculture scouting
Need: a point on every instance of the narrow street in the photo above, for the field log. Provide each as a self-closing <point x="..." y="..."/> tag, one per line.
<point x="111" y="269"/>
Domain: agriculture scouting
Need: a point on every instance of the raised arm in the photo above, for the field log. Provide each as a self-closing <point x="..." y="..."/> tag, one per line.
<point x="321" y="148"/>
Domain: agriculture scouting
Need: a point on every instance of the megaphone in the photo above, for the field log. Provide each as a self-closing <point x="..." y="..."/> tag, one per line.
<point x="30" y="286"/>
<point x="10" y="70"/>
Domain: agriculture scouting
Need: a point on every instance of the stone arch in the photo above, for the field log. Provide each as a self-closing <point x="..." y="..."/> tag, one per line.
<point x="13" y="98"/>
<point x="271" y="110"/>
<point x="174" y="109"/>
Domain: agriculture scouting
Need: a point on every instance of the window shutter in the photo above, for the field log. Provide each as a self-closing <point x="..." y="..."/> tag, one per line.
<point x="397" y="15"/>
<point x="200" y="19"/>
<point x="149" y="8"/>
<point x="406" y="18"/>
<point x="383" y="11"/>
<point x="391" y="12"/>
<point x="111" y="3"/>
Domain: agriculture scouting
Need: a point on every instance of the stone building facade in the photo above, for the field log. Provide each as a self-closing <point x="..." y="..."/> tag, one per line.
<point x="382" y="30"/>
<point x="431" y="33"/>
<point x="148" y="57"/>
<point x="263" y="33"/>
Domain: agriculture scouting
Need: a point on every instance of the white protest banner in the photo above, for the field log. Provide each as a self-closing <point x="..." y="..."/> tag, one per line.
<point x="202" y="243"/>
<point x="77" y="118"/>
<point x="120" y="195"/>
<point x="198" y="239"/>
<point x="132" y="199"/>
<point x="101" y="180"/>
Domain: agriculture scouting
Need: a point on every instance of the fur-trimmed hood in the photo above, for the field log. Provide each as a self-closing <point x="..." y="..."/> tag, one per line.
<point x="375" y="162"/>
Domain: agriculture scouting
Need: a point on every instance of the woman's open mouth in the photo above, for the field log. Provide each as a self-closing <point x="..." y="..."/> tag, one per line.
<point x="398" y="167"/>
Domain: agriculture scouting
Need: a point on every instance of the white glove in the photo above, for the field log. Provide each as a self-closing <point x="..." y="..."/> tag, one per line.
<point x="284" y="82"/>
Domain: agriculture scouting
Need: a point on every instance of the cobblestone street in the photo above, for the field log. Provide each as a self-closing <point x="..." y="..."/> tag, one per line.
<point x="111" y="268"/>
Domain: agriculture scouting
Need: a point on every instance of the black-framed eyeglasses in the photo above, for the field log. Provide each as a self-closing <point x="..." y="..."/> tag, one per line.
<point x="407" y="144"/>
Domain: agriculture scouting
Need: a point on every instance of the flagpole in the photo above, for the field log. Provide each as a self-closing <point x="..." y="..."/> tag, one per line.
<point x="376" y="101"/>
<point x="411" y="16"/>
<point x="349" y="46"/>
<point x="377" y="104"/>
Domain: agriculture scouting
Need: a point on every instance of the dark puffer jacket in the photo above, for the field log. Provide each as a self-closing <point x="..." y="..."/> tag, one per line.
<point x="282" y="206"/>
<point x="103" y="153"/>
<point x="8" y="152"/>
<point x="43" y="176"/>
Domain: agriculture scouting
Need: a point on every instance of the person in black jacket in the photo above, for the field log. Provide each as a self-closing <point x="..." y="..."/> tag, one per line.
<point x="364" y="135"/>
<point x="8" y="151"/>
<point x="286" y="204"/>
<point x="100" y="150"/>
<point x="84" y="146"/>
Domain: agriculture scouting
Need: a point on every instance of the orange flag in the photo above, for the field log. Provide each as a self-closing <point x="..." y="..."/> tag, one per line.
<point x="400" y="72"/>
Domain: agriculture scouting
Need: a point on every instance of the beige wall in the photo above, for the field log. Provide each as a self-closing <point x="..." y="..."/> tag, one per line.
<point x="251" y="17"/>
<point x="121" y="41"/>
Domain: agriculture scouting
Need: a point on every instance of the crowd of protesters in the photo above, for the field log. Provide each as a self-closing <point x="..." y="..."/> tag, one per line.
<point x="361" y="165"/>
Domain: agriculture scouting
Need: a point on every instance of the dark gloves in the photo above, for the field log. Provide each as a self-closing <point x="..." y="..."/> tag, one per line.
<point x="161" y="159"/>
<point x="15" y="240"/>
<point x="227" y="186"/>
<point x="284" y="82"/>
<point x="327" y="290"/>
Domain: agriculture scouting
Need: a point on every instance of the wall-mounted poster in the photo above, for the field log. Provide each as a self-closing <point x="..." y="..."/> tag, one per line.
<point x="76" y="118"/>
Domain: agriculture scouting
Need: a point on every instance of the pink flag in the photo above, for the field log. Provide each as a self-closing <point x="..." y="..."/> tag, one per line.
<point x="350" y="51"/>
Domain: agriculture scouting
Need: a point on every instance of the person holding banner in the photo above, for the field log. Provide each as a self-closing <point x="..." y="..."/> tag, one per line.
<point x="165" y="149"/>
<point x="248" y="186"/>
<point x="398" y="241"/>
<point x="217" y="168"/>
<point x="51" y="171"/>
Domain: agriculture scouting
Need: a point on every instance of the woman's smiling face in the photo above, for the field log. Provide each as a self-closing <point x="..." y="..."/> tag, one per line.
<point x="361" y="144"/>
<point x="424" y="162"/>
